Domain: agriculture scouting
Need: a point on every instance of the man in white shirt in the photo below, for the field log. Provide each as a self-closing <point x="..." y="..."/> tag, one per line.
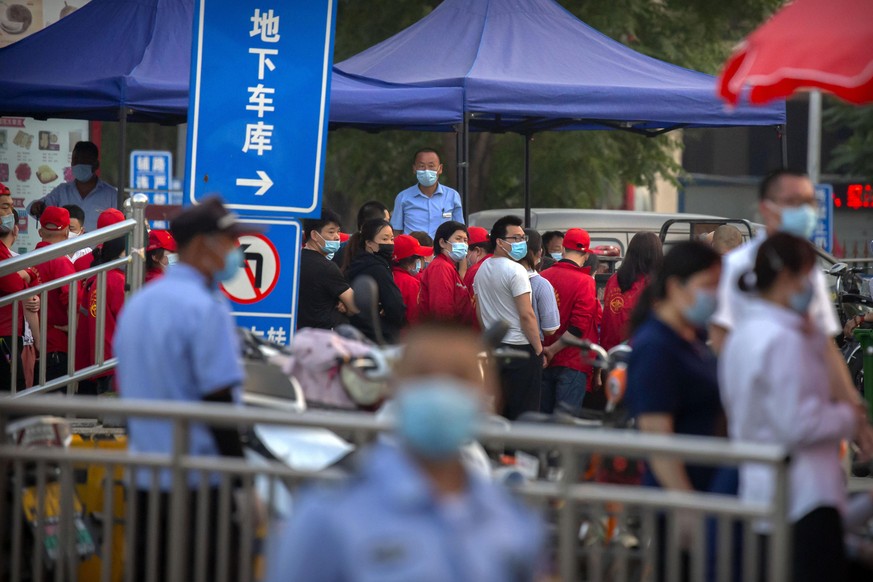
<point x="787" y="204"/>
<point x="503" y="293"/>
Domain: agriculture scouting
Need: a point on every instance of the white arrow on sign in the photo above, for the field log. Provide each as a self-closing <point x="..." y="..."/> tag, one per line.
<point x="262" y="183"/>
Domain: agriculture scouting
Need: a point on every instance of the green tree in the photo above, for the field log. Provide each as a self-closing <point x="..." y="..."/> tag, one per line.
<point x="854" y="156"/>
<point x="569" y="169"/>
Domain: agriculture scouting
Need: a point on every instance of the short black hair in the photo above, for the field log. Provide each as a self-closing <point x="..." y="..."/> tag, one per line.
<point x="445" y="232"/>
<point x="426" y="151"/>
<point x="771" y="180"/>
<point x="328" y="216"/>
<point x="498" y="231"/>
<point x="75" y="212"/>
<point x="422" y="237"/>
<point x="370" y="211"/>
<point x="87" y="147"/>
<point x="550" y="235"/>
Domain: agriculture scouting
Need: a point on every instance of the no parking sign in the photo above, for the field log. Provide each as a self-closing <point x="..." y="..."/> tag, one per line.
<point x="264" y="291"/>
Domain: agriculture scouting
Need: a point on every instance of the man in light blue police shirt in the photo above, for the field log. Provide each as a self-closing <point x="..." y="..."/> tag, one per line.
<point x="86" y="190"/>
<point x="427" y="204"/>
<point x="176" y="340"/>
<point x="415" y="511"/>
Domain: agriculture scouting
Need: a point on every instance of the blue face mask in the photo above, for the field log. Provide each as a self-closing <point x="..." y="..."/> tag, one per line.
<point x="557" y="256"/>
<point x="172" y="259"/>
<point x="426" y="178"/>
<point x="436" y="416"/>
<point x="329" y="256"/>
<point x="459" y="251"/>
<point x="233" y="262"/>
<point x="799" y="221"/>
<point x="82" y="172"/>
<point x="703" y="308"/>
<point x="417" y="268"/>
<point x="330" y="247"/>
<point x="7" y="221"/>
<point x="518" y="251"/>
<point x="801" y="300"/>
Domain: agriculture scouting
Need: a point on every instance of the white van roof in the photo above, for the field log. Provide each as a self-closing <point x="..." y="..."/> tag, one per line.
<point x="543" y="219"/>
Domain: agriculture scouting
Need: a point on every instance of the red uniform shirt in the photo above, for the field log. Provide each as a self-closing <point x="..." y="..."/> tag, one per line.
<point x="86" y="330"/>
<point x="83" y="262"/>
<point x="153" y="274"/>
<point x="410" y="289"/>
<point x="617" y="307"/>
<point x="58" y="300"/>
<point x="10" y="284"/>
<point x="580" y="311"/>
<point x="469" y="277"/>
<point x="443" y="293"/>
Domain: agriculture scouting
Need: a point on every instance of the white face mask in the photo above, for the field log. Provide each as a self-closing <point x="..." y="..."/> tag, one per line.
<point x="72" y="234"/>
<point x="172" y="259"/>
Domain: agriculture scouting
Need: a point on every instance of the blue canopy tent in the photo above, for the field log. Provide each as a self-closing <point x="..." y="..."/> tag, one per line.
<point x="527" y="66"/>
<point x="129" y="60"/>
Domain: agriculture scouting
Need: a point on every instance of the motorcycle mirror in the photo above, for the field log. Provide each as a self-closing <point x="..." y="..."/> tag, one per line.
<point x="493" y="336"/>
<point x="838" y="269"/>
<point x="367" y="301"/>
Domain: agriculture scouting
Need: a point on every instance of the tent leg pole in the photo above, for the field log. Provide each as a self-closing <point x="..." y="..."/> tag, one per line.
<point x="465" y="182"/>
<point x="527" y="139"/>
<point x="122" y="158"/>
<point x="782" y="131"/>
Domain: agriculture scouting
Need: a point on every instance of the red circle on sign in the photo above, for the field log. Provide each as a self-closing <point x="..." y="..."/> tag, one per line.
<point x="248" y="270"/>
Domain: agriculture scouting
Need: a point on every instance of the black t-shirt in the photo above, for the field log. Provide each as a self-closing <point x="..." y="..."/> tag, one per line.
<point x="321" y="284"/>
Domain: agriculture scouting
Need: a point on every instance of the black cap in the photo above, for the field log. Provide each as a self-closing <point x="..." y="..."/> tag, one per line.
<point x="208" y="217"/>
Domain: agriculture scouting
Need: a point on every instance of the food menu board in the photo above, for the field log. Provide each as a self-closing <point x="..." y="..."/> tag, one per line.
<point x="34" y="159"/>
<point x="21" y="18"/>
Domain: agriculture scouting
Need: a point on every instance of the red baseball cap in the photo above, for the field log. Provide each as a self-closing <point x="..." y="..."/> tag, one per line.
<point x="405" y="246"/>
<point x="161" y="239"/>
<point x="109" y="217"/>
<point x="476" y="235"/>
<point x="577" y="239"/>
<point x="344" y="237"/>
<point x="4" y="190"/>
<point x="54" y="218"/>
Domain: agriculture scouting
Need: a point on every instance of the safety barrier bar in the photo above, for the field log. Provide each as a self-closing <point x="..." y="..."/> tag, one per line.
<point x="134" y="229"/>
<point x="199" y="493"/>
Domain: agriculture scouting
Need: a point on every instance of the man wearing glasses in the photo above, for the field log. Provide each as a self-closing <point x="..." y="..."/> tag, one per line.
<point x="503" y="294"/>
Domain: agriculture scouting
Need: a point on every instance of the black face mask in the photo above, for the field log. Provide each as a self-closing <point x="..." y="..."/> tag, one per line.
<point x="386" y="251"/>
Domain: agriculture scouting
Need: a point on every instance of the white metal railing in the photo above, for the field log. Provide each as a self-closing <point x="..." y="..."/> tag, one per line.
<point x="567" y="502"/>
<point x="134" y="229"/>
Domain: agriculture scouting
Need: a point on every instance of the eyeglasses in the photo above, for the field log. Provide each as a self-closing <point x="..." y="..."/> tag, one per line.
<point x="516" y="238"/>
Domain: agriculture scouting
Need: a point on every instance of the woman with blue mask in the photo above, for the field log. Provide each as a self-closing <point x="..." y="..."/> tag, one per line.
<point x="672" y="385"/>
<point x="775" y="388"/>
<point x="443" y="293"/>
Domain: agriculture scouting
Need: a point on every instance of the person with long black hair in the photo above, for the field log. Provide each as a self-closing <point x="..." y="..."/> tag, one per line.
<point x="781" y="395"/>
<point x="644" y="256"/>
<point x="372" y="255"/>
<point x="672" y="385"/>
<point x="89" y="306"/>
<point x="672" y="374"/>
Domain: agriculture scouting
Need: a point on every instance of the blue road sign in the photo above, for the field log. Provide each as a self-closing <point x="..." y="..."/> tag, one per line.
<point x="153" y="170"/>
<point x="257" y="120"/>
<point x="823" y="236"/>
<point x="264" y="292"/>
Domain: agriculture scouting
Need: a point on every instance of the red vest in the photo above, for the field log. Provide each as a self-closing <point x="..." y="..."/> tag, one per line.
<point x="443" y="294"/>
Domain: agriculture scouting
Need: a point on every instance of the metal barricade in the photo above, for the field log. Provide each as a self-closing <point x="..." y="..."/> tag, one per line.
<point x="134" y="229"/>
<point x="199" y="492"/>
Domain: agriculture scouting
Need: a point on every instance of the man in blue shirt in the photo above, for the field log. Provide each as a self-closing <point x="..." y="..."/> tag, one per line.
<point x="176" y="340"/>
<point x="427" y="204"/>
<point x="415" y="511"/>
<point x="86" y="191"/>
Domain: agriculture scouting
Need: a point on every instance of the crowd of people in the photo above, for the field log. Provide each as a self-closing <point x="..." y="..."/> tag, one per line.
<point x="728" y="339"/>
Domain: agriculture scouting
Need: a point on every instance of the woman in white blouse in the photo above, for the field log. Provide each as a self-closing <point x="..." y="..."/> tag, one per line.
<point x="775" y="389"/>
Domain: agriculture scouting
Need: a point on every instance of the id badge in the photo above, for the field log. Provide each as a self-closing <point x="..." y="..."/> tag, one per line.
<point x="447" y="214"/>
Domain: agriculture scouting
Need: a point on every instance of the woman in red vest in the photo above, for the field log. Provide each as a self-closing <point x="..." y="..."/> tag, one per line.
<point x="160" y="254"/>
<point x="644" y="256"/>
<point x="443" y="293"/>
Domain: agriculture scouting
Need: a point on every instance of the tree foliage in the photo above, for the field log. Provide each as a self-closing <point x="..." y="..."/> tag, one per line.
<point x="854" y="156"/>
<point x="569" y="169"/>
